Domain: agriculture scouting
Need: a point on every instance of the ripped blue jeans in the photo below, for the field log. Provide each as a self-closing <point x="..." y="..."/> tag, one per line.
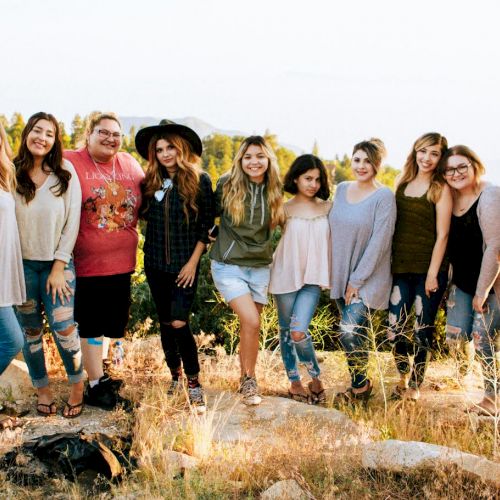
<point x="295" y="312"/>
<point x="464" y="324"/>
<point x="60" y="318"/>
<point x="354" y="334"/>
<point x="408" y="291"/>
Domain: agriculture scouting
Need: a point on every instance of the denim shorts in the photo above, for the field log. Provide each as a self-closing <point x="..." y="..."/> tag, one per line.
<point x="233" y="281"/>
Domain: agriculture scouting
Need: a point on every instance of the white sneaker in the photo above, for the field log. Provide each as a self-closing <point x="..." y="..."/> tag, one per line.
<point x="250" y="391"/>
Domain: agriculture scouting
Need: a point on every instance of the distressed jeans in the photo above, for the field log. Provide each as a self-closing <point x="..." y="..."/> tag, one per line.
<point x="354" y="334"/>
<point x="11" y="337"/>
<point x="295" y="312"/>
<point x="464" y="324"/>
<point x="408" y="290"/>
<point x="59" y="317"/>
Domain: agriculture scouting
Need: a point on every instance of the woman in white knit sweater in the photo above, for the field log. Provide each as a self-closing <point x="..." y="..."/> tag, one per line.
<point x="48" y="201"/>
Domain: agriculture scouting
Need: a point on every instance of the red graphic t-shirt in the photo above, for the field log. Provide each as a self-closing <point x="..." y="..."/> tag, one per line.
<point x="111" y="197"/>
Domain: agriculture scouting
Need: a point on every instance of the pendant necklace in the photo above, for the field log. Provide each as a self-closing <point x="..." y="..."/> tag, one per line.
<point x="110" y="182"/>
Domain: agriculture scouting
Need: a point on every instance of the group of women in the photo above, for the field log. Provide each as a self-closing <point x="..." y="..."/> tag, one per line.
<point x="73" y="253"/>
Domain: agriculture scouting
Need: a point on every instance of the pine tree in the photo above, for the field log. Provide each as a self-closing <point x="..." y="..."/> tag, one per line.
<point x="78" y="131"/>
<point x="15" y="130"/>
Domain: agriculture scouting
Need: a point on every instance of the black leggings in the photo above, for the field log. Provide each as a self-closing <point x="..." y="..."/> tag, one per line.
<point x="174" y="303"/>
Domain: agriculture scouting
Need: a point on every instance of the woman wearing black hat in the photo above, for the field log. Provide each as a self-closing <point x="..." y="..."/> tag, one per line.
<point x="178" y="206"/>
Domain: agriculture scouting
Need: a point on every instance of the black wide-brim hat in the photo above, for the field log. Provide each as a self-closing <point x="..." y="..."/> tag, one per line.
<point x="143" y="137"/>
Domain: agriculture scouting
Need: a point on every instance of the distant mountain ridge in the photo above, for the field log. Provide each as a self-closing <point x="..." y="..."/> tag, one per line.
<point x="202" y="128"/>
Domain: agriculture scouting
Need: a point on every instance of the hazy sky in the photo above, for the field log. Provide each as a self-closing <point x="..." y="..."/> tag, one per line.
<point x="332" y="71"/>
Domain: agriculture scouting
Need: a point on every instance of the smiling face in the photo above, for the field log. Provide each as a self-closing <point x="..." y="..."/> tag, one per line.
<point x="255" y="163"/>
<point x="459" y="172"/>
<point x="309" y="183"/>
<point x="41" y="138"/>
<point x="166" y="154"/>
<point x="362" y="167"/>
<point x="427" y="158"/>
<point x="105" y="140"/>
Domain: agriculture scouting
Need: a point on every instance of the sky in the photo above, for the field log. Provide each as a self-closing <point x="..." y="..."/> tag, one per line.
<point x="334" y="72"/>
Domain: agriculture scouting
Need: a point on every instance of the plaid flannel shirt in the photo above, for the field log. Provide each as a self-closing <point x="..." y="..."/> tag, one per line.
<point x="169" y="246"/>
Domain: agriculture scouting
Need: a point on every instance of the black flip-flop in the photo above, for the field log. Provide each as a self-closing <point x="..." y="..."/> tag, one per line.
<point x="49" y="413"/>
<point x="69" y="407"/>
<point x="300" y="398"/>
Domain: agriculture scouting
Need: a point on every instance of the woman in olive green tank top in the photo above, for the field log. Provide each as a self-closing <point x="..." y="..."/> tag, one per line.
<point x="419" y="266"/>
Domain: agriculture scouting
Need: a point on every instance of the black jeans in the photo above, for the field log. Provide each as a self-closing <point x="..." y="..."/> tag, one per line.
<point x="174" y="303"/>
<point x="408" y="290"/>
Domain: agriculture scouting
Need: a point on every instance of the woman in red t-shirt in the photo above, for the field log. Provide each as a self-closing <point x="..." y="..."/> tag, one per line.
<point x="105" y="250"/>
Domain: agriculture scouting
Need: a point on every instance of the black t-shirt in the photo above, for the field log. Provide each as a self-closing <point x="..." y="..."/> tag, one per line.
<point x="465" y="249"/>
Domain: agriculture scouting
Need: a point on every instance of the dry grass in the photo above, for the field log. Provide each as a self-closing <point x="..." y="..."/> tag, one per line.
<point x="244" y="470"/>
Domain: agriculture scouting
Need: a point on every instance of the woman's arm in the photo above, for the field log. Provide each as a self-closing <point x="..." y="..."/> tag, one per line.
<point x="73" y="205"/>
<point x="187" y="274"/>
<point x="443" y="218"/>
<point x="489" y="216"/>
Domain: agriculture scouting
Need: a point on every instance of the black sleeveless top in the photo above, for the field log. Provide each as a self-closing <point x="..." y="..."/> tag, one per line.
<point x="465" y="249"/>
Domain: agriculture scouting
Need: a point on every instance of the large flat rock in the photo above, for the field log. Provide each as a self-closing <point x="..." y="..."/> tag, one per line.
<point x="235" y="421"/>
<point x="397" y="456"/>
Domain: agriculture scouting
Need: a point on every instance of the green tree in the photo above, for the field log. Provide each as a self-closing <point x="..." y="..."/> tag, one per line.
<point x="315" y="149"/>
<point x="65" y="137"/>
<point x="15" y="130"/>
<point x="77" y="131"/>
<point x="212" y="171"/>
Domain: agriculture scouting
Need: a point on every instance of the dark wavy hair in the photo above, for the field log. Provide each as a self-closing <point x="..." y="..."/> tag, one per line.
<point x="52" y="162"/>
<point x="300" y="166"/>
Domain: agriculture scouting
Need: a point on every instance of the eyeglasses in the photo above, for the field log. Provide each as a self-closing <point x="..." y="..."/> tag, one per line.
<point x="451" y="171"/>
<point x="106" y="134"/>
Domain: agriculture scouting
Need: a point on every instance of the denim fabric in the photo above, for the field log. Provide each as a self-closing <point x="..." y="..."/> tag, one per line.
<point x="233" y="281"/>
<point x="11" y="337"/>
<point x="408" y="290"/>
<point x="59" y="316"/>
<point x="295" y="312"/>
<point x="354" y="334"/>
<point x="464" y="324"/>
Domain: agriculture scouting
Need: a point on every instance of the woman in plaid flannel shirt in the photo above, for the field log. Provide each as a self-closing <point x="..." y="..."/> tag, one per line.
<point x="178" y="206"/>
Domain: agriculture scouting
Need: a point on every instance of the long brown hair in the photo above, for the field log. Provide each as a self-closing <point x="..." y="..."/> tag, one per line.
<point x="52" y="162"/>
<point x="236" y="187"/>
<point x="7" y="173"/>
<point x="410" y="169"/>
<point x="187" y="177"/>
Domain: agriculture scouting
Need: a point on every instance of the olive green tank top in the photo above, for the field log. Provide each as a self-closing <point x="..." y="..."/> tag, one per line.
<point x="415" y="234"/>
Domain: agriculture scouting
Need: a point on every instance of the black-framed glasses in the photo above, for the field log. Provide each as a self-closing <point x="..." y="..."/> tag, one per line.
<point x="106" y="134"/>
<point x="460" y="169"/>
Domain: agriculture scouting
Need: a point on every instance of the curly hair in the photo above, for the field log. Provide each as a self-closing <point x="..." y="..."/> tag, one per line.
<point x="187" y="178"/>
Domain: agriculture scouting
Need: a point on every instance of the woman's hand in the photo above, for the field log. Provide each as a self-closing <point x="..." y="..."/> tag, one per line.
<point x="187" y="275"/>
<point x="478" y="304"/>
<point x="351" y="293"/>
<point x="57" y="284"/>
<point x="431" y="285"/>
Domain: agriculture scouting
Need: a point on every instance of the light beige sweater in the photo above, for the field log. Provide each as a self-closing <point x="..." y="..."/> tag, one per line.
<point x="488" y="212"/>
<point x="12" y="289"/>
<point x="48" y="224"/>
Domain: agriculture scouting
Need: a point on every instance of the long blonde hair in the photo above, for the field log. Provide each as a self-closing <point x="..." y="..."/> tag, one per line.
<point x="7" y="172"/>
<point x="410" y="169"/>
<point x="187" y="177"/>
<point x="237" y="186"/>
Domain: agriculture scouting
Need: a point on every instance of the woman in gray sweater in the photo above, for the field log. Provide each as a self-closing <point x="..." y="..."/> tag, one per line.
<point x="362" y="223"/>
<point x="474" y="251"/>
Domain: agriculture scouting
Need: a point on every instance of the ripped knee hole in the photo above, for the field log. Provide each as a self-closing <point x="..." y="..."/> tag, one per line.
<point x="298" y="336"/>
<point x="177" y="323"/>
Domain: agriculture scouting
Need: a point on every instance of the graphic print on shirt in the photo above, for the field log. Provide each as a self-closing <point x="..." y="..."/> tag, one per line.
<point x="112" y="208"/>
